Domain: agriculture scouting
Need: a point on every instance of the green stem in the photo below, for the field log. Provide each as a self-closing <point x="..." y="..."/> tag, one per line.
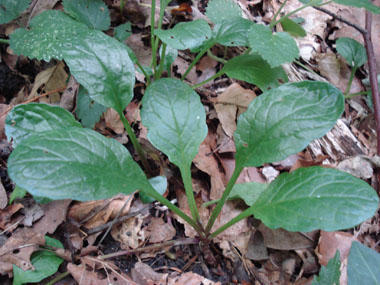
<point x="245" y="214"/>
<point x="197" y="58"/>
<point x="279" y="11"/>
<point x="152" y="36"/>
<point x="4" y="41"/>
<point x="209" y="203"/>
<point x="162" y="63"/>
<point x="58" y="278"/>
<point x="223" y="199"/>
<point x="216" y="75"/>
<point x="186" y="177"/>
<point x="247" y="51"/>
<point x="353" y="71"/>
<point x="145" y="74"/>
<point x="122" y="5"/>
<point x="214" y="57"/>
<point x="352" y="95"/>
<point x="305" y="67"/>
<point x="135" y="143"/>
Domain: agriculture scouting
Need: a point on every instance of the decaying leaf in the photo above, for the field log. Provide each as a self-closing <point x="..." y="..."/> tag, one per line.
<point x="159" y="230"/>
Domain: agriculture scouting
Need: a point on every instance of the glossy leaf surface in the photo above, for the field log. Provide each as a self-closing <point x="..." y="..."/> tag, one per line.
<point x="276" y="48"/>
<point x="159" y="183"/>
<point x="363" y="265"/>
<point x="74" y="163"/>
<point x="220" y="10"/>
<point x="232" y="32"/>
<point x="11" y="9"/>
<point x="316" y="198"/>
<point x="329" y="274"/>
<point x="254" y="69"/>
<point x="175" y="118"/>
<point x="354" y="53"/>
<point x="186" y="35"/>
<point x="98" y="62"/>
<point x="249" y="192"/>
<point x="284" y="120"/>
<point x="93" y="13"/>
<point x="27" y="119"/>
<point x="293" y="28"/>
<point x="366" y="4"/>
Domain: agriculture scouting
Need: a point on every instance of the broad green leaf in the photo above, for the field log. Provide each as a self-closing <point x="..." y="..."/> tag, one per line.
<point x="27" y="119"/>
<point x="93" y="13"/>
<point x="11" y="9"/>
<point x="249" y="192"/>
<point x="232" y="32"/>
<point x="220" y="10"/>
<point x="329" y="274"/>
<point x="175" y="118"/>
<point x="284" y="120"/>
<point x="98" y="62"/>
<point x="276" y="48"/>
<point x="74" y="163"/>
<point x="18" y="192"/>
<point x="88" y="111"/>
<point x="45" y="262"/>
<point x="366" y="4"/>
<point x="186" y="35"/>
<point x="293" y="28"/>
<point x="159" y="183"/>
<point x="314" y="2"/>
<point x="363" y="265"/>
<point x="254" y="69"/>
<point x="123" y="31"/>
<point x="316" y="198"/>
<point x="354" y="53"/>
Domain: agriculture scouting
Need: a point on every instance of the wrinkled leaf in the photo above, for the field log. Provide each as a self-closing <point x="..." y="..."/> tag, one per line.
<point x="315" y="198"/>
<point x="28" y="119"/>
<point x="232" y="32"/>
<point x="159" y="183"/>
<point x="123" y="31"/>
<point x="284" y="120"/>
<point x="366" y="4"/>
<point x="11" y="9"/>
<point x="293" y="28"/>
<point x="74" y="163"/>
<point x="18" y="192"/>
<point x="45" y="262"/>
<point x="249" y="192"/>
<point x="98" y="62"/>
<point x="354" y="53"/>
<point x="186" y="35"/>
<point x="220" y="10"/>
<point x="175" y="118"/>
<point x="363" y="265"/>
<point x="329" y="274"/>
<point x="88" y="111"/>
<point x="93" y="13"/>
<point x="276" y="48"/>
<point x="254" y="69"/>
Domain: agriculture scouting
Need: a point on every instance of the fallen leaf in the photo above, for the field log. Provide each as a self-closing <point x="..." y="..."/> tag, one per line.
<point x="32" y="213"/>
<point x="143" y="274"/>
<point x="7" y="213"/>
<point x="68" y="101"/>
<point x="160" y="231"/>
<point x="130" y="233"/>
<point x="113" y="121"/>
<point x="3" y="197"/>
<point x="256" y="248"/>
<point x="142" y="52"/>
<point x="190" y="278"/>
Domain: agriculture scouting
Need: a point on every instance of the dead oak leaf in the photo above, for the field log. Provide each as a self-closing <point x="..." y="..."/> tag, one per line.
<point x="160" y="231"/>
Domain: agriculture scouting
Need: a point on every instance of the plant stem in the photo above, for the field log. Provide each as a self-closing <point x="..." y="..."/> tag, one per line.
<point x="214" y="57"/>
<point x="352" y="95"/>
<point x="223" y="199"/>
<point x="4" y="41"/>
<point x="135" y="143"/>
<point x="186" y="177"/>
<point x="162" y="63"/>
<point x="152" y="36"/>
<point x="197" y="58"/>
<point x="58" y="277"/>
<point x="353" y="71"/>
<point x="122" y="5"/>
<point x="305" y="67"/>
<point x="216" y="75"/>
<point x="279" y="11"/>
<point x="145" y="74"/>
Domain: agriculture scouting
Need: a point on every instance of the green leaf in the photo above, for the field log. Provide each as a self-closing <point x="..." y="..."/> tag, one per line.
<point x="175" y="118"/>
<point x="276" y="48"/>
<point x="232" y="32"/>
<point x="18" y="192"/>
<point x="220" y="10"/>
<point x="254" y="69"/>
<point x="74" y="163"/>
<point x="11" y="9"/>
<point x="354" y="53"/>
<point x="186" y="35"/>
<point x="363" y="265"/>
<point x="249" y="192"/>
<point x="98" y="62"/>
<point x="159" y="183"/>
<point x="293" y="28"/>
<point x="366" y="4"/>
<point x="284" y="120"/>
<point x="329" y="274"/>
<point x="45" y="262"/>
<point x="314" y="2"/>
<point x="123" y="31"/>
<point x="93" y="13"/>
<point x="170" y="56"/>
<point x="27" y="119"/>
<point x="88" y="111"/>
<point x="315" y="198"/>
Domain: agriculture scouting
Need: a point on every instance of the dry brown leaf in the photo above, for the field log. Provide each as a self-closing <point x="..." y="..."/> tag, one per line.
<point x="113" y="121"/>
<point x="143" y="274"/>
<point x="256" y="248"/>
<point x="3" y="109"/>
<point x="182" y="65"/>
<point x="207" y="66"/>
<point x="130" y="233"/>
<point x="7" y="213"/>
<point x="3" y="197"/>
<point x="32" y="213"/>
<point x="160" y="231"/>
<point x="68" y="101"/>
<point x="190" y="278"/>
<point x="142" y="52"/>
<point x="40" y="6"/>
